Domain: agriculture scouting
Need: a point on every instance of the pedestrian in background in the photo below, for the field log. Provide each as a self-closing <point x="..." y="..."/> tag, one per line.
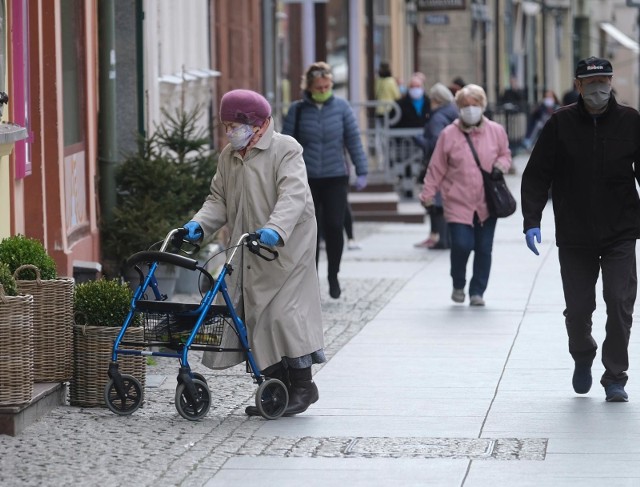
<point x="589" y="152"/>
<point x="415" y="105"/>
<point x="261" y="185"/>
<point x="570" y="96"/>
<point x="414" y="109"/>
<point x="386" y="89"/>
<point x="443" y="112"/>
<point x="539" y="117"/>
<point x="456" y="85"/>
<point x="326" y="128"/>
<point x="454" y="171"/>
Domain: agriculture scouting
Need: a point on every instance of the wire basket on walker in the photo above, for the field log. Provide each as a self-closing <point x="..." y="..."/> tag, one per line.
<point x="172" y="329"/>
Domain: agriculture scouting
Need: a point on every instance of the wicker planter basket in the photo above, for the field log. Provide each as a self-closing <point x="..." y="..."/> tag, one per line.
<point x="92" y="354"/>
<point x="16" y="349"/>
<point x="52" y="325"/>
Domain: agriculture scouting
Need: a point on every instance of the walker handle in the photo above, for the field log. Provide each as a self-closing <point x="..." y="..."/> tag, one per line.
<point x="252" y="241"/>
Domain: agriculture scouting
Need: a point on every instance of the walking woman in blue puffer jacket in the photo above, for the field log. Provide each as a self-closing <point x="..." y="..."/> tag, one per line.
<point x="326" y="128"/>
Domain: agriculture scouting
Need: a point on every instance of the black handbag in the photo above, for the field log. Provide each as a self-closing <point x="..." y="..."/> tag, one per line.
<point x="500" y="201"/>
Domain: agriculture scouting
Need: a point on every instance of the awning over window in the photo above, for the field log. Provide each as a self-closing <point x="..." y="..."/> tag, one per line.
<point x="620" y="37"/>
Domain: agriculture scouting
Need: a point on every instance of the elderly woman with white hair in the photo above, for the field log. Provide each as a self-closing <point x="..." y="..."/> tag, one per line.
<point x="453" y="171"/>
<point x="443" y="112"/>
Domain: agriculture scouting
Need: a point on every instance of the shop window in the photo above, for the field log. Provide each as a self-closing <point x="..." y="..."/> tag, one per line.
<point x="72" y="73"/>
<point x="19" y="88"/>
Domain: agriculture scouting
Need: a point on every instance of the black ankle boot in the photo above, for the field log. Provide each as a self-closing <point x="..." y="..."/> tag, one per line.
<point x="273" y="372"/>
<point x="302" y="393"/>
<point x="334" y="287"/>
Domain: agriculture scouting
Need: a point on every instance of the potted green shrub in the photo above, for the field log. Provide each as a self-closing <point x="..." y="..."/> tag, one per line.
<point x="16" y="323"/>
<point x="18" y="250"/>
<point x="35" y="273"/>
<point x="159" y="188"/>
<point x="100" y="308"/>
<point x="7" y="280"/>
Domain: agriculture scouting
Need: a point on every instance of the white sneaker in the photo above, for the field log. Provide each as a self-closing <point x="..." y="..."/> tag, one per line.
<point x="457" y="295"/>
<point x="476" y="300"/>
<point x="353" y="245"/>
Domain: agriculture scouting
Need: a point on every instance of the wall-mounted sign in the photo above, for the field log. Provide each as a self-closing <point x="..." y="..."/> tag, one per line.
<point x="436" y="19"/>
<point x="426" y="5"/>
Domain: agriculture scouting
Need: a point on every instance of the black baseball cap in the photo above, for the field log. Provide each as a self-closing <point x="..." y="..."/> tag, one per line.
<point x="593" y="66"/>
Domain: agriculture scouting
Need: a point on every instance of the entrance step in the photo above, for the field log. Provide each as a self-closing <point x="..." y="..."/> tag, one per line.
<point x="384" y="207"/>
<point x="46" y="397"/>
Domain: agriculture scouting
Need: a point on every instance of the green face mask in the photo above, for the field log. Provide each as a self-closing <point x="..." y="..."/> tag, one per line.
<point x="321" y="97"/>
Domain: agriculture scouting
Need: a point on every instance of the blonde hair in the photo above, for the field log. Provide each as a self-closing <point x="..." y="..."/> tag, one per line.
<point x="319" y="69"/>
<point x="472" y="91"/>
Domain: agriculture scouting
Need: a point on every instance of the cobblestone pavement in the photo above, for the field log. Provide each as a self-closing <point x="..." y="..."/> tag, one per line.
<point x="156" y="446"/>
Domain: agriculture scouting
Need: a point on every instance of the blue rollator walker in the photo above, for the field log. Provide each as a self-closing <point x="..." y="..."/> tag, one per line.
<point x="176" y="328"/>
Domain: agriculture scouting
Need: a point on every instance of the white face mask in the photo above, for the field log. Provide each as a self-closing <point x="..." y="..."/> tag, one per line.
<point x="471" y="115"/>
<point x="549" y="102"/>
<point x="240" y="136"/>
<point x="416" y="93"/>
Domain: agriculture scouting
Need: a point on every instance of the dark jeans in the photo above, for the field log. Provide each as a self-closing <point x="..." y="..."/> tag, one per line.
<point x="330" y="201"/>
<point x="464" y="239"/>
<point x="579" y="269"/>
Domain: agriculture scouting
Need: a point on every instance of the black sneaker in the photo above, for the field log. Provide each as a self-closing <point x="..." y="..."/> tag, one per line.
<point x="615" y="392"/>
<point x="582" y="379"/>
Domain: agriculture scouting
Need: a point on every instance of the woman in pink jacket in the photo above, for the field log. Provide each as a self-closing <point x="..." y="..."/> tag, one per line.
<point x="454" y="172"/>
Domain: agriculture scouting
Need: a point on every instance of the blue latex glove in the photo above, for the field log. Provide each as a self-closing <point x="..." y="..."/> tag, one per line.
<point x="361" y="182"/>
<point x="195" y="231"/>
<point x="268" y="236"/>
<point x="531" y="236"/>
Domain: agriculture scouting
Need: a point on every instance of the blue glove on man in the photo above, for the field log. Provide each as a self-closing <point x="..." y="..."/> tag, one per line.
<point x="361" y="182"/>
<point x="531" y="236"/>
<point x="268" y="236"/>
<point x="195" y="231"/>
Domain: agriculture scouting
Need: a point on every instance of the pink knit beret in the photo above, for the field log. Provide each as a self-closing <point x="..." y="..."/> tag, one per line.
<point x="244" y="106"/>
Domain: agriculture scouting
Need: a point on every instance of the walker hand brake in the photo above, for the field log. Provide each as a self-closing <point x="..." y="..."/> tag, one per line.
<point x="255" y="247"/>
<point x="178" y="240"/>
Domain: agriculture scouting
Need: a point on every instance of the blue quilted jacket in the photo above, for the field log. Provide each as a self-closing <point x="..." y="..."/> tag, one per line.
<point x="324" y="134"/>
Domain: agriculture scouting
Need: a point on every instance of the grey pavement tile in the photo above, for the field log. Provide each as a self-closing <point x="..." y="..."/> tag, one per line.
<point x="315" y="423"/>
<point x="559" y="470"/>
<point x="317" y="472"/>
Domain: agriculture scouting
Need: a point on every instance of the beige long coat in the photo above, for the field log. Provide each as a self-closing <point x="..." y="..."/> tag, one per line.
<point x="279" y="300"/>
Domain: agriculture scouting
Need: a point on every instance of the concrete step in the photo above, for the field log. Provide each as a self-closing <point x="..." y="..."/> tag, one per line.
<point x="387" y="201"/>
<point x="385" y="207"/>
<point x="46" y="397"/>
<point x="388" y="216"/>
<point x="378" y="187"/>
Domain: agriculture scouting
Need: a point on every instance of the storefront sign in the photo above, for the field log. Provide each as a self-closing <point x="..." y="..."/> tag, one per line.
<point x="426" y="5"/>
<point x="435" y="19"/>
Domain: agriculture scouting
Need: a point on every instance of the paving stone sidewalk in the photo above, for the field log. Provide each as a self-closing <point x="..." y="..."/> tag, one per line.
<point x="156" y="446"/>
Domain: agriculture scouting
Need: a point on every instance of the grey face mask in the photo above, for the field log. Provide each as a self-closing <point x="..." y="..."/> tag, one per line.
<point x="596" y="95"/>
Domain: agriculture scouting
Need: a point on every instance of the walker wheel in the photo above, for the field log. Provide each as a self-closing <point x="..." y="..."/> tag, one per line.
<point x="131" y="400"/>
<point x="199" y="376"/>
<point x="193" y="410"/>
<point x="272" y="398"/>
<point x="195" y="375"/>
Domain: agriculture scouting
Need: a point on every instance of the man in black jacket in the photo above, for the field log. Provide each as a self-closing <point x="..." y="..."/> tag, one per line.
<point x="589" y="152"/>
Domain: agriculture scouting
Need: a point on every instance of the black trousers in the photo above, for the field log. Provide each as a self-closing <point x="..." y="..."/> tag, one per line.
<point x="330" y="201"/>
<point x="580" y="269"/>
